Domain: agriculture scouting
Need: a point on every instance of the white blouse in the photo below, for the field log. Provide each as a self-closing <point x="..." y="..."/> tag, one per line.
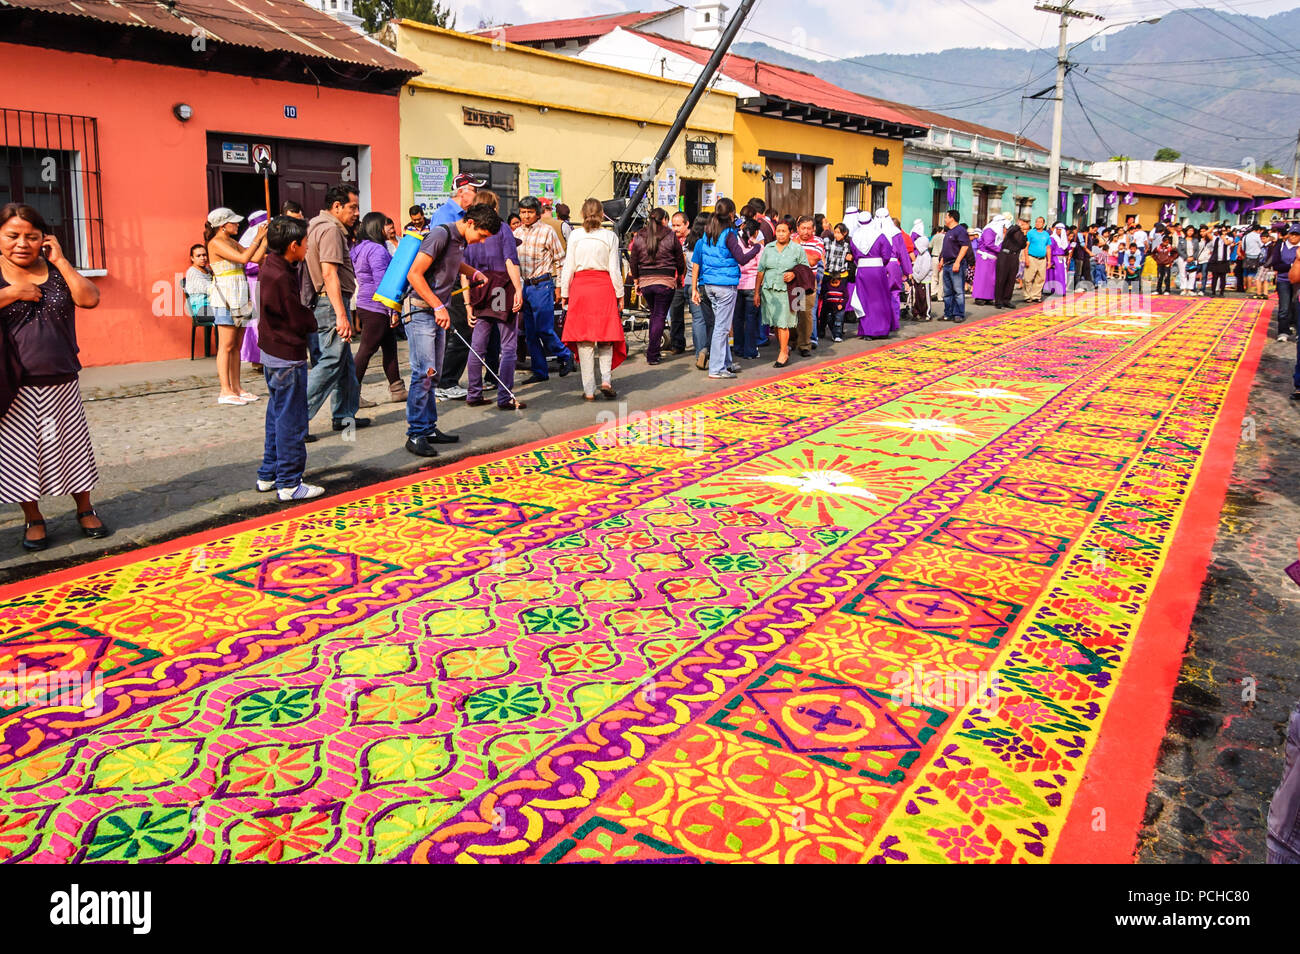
<point x="592" y="250"/>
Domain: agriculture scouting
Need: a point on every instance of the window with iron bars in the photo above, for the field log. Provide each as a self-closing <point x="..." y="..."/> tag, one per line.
<point x="51" y="162"/>
<point x="626" y="177"/>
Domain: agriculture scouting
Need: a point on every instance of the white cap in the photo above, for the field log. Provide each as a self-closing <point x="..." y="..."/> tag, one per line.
<point x="223" y="216"/>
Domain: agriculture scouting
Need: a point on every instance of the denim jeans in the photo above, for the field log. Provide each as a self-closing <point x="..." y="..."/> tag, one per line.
<point x="1283" y="838"/>
<point x="1099" y="274"/>
<point x="723" y="300"/>
<point x="701" y="322"/>
<point x="744" y="326"/>
<point x="422" y="334"/>
<point x="334" y="372"/>
<point x="1286" y="303"/>
<point x="677" y="319"/>
<point x="284" y="456"/>
<point x="954" y="294"/>
<point x="539" y="326"/>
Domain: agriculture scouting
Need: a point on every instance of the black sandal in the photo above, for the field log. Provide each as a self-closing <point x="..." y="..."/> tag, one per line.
<point x="607" y="392"/>
<point x="95" y="533"/>
<point x="33" y="545"/>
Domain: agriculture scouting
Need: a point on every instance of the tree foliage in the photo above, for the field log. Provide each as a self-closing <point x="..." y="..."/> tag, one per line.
<point x="1119" y="158"/>
<point x="1165" y="154"/>
<point x="375" y="13"/>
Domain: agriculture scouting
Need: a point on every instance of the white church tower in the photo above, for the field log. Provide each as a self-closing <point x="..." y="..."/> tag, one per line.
<point x="710" y="18"/>
<point x="340" y="10"/>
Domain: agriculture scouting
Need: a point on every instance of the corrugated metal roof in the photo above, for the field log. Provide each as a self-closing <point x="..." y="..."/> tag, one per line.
<point x="784" y="83"/>
<point x="575" y="28"/>
<point x="277" y="26"/>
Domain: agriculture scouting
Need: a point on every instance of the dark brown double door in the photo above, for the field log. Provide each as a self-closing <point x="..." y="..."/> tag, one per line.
<point x="782" y="193"/>
<point x="305" y="171"/>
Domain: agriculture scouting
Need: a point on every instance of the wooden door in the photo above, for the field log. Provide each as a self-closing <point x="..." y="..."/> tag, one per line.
<point x="782" y="195"/>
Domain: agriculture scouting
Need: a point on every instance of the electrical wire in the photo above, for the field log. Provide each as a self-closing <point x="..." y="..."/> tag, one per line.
<point x="1166" y="79"/>
<point x="1212" y="132"/>
<point x="1083" y="109"/>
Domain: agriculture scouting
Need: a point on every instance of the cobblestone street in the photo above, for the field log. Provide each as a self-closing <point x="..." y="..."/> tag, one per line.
<point x="1222" y="756"/>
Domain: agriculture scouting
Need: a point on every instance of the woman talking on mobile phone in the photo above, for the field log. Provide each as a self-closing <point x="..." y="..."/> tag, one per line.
<point x="45" y="448"/>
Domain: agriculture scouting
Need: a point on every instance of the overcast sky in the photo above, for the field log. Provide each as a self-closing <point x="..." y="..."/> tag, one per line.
<point x="813" y="27"/>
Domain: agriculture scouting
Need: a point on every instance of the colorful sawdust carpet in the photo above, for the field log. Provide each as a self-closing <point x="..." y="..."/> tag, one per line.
<point x="923" y="604"/>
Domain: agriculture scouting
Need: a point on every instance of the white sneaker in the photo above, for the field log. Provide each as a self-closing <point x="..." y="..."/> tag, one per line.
<point x="301" y="492"/>
<point x="722" y="374"/>
<point x="265" y="486"/>
<point x="1283" y="337"/>
<point x="232" y="400"/>
<point x="248" y="397"/>
<point x="839" y="339"/>
<point x="439" y="394"/>
<point x="455" y="393"/>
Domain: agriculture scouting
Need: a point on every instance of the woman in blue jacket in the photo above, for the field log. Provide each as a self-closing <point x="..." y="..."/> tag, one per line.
<point x="715" y="274"/>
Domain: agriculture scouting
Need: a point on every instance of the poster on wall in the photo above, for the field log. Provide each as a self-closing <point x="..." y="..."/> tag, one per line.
<point x="430" y="182"/>
<point x="708" y="195"/>
<point x="796" y="175"/>
<point x="545" y="184"/>
<point x="667" y="197"/>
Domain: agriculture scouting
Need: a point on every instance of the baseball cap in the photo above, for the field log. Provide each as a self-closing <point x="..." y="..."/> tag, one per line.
<point x="223" y="216"/>
<point x="1293" y="230"/>
<point x="465" y="179"/>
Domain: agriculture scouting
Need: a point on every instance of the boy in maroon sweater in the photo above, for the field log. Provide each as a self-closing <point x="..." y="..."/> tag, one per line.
<point x="283" y="330"/>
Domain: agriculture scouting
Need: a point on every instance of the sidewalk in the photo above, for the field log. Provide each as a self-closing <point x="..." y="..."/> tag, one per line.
<point x="173" y="462"/>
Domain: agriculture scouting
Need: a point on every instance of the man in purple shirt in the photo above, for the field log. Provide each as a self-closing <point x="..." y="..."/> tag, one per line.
<point x="952" y="255"/>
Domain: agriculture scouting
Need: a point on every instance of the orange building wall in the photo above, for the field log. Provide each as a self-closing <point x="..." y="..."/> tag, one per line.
<point x="154" y="172"/>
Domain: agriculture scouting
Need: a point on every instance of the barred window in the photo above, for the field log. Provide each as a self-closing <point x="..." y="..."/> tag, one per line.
<point x="51" y="162"/>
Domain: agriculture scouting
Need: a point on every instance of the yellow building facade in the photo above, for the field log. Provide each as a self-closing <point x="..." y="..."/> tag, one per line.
<point x="765" y="147"/>
<point x="532" y="122"/>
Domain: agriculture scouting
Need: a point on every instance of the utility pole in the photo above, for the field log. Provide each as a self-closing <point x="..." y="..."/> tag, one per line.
<point x="1295" y="166"/>
<point x="684" y="113"/>
<point x="1062" y="64"/>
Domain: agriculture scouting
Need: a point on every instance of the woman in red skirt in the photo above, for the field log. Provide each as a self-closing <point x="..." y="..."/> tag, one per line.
<point x="592" y="288"/>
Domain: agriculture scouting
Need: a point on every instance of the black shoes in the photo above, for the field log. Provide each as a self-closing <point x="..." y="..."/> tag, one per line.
<point x="535" y="379"/>
<point x="95" y="533"/>
<point x="420" y="446"/>
<point x="357" y="422"/>
<point x="33" y="545"/>
<point x="805" y="353"/>
<point x="566" y="365"/>
<point x="438" y="437"/>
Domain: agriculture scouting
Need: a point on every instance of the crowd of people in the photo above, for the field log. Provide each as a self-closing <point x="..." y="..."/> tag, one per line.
<point x="484" y="299"/>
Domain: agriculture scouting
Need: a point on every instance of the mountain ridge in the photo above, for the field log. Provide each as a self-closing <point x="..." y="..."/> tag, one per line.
<point x="1142" y="87"/>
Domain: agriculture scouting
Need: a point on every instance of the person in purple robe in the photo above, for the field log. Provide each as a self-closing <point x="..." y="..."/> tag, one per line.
<point x="987" y="246"/>
<point x="1058" y="260"/>
<point x="874" y="297"/>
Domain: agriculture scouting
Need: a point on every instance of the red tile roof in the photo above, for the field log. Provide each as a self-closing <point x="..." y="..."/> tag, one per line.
<point x="1249" y="184"/>
<point x="575" y="28"/>
<point x="781" y="82"/>
<point x="277" y="26"/>
<point x="1218" y="193"/>
<point x="925" y="117"/>
<point x="1164" y="192"/>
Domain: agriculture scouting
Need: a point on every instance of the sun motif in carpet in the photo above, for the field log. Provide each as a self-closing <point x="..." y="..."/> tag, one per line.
<point x="816" y="485"/>
<point x="922" y="426"/>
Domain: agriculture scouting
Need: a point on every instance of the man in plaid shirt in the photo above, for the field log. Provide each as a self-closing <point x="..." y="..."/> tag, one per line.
<point x="540" y="257"/>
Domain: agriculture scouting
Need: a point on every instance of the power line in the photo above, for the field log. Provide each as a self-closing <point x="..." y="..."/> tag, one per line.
<point x="1166" y="79"/>
<point x="1266" y="38"/>
<point x="1213" y="132"/>
<point x="1073" y="89"/>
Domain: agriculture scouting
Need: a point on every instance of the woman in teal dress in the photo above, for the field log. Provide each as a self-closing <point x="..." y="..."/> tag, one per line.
<point x="771" y="291"/>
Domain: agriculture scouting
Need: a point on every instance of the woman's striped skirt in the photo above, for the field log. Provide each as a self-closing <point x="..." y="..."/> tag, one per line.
<point x="45" y="448"/>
